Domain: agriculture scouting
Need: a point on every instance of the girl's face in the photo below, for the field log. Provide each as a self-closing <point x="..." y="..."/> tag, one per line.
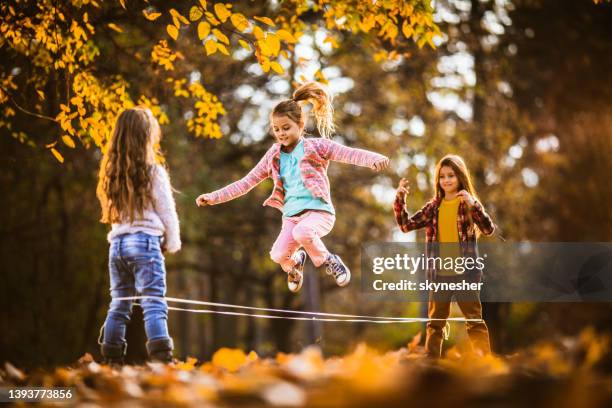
<point x="448" y="180"/>
<point x="286" y="131"/>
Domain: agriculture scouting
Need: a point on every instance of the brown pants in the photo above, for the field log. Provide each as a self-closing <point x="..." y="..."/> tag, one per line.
<point x="439" y="308"/>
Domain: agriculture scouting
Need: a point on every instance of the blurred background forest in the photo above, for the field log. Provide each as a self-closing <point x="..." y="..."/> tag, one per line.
<point x="521" y="89"/>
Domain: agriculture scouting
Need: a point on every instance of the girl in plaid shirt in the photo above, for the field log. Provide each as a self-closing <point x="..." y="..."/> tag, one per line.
<point x="298" y="167"/>
<point x="453" y="215"/>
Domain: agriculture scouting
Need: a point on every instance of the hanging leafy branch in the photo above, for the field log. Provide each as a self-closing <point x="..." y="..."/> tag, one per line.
<point x="57" y="44"/>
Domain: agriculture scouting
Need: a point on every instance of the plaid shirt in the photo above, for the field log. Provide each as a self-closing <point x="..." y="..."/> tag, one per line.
<point x="313" y="167"/>
<point x="427" y="217"/>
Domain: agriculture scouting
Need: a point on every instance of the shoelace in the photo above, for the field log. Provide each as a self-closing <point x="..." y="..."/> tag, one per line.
<point x="294" y="276"/>
<point x="335" y="268"/>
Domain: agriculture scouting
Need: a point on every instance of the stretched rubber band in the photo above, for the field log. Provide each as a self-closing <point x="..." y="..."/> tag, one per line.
<point x="328" y="317"/>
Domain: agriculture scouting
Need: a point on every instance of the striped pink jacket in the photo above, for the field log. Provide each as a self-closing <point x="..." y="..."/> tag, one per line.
<point x="317" y="154"/>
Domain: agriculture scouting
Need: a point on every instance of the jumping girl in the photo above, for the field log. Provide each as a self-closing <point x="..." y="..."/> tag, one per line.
<point x="454" y="215"/>
<point x="298" y="167"/>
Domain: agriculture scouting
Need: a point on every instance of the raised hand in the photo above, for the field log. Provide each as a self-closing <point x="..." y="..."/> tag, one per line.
<point x="404" y="187"/>
<point x="466" y="197"/>
<point x="202" y="200"/>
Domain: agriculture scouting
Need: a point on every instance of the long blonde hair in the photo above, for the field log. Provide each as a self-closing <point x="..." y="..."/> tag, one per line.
<point x="124" y="180"/>
<point x="322" y="109"/>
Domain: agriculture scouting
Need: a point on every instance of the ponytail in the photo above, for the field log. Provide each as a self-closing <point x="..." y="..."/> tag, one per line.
<point x="322" y="110"/>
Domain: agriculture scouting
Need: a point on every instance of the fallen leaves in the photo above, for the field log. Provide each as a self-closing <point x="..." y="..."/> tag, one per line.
<point x="551" y="371"/>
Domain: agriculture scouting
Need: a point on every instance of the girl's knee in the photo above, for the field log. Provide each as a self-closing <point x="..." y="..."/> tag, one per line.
<point x="154" y="306"/>
<point x="120" y="306"/>
<point x="303" y="234"/>
<point x="278" y="255"/>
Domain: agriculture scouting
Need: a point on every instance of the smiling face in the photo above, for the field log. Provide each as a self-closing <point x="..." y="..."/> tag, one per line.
<point x="448" y="180"/>
<point x="286" y="131"/>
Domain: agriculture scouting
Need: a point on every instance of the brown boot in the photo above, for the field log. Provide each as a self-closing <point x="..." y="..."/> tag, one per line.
<point x="113" y="354"/>
<point x="160" y="350"/>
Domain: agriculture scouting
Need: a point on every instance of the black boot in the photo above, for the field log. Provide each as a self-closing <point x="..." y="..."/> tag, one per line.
<point x="113" y="354"/>
<point x="160" y="350"/>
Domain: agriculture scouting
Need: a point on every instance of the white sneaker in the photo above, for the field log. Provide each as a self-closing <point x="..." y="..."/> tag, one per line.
<point x="335" y="267"/>
<point x="295" y="278"/>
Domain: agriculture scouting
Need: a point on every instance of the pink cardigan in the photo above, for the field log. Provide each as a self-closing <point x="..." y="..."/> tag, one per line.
<point x="317" y="154"/>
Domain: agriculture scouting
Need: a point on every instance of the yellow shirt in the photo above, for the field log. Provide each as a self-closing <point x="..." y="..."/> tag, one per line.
<point x="447" y="232"/>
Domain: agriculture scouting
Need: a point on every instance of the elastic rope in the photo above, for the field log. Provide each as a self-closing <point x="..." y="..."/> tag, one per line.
<point x="328" y="316"/>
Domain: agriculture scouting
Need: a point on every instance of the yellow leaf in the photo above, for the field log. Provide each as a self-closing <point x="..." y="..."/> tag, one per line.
<point x="245" y="45"/>
<point x="211" y="17"/>
<point x="276" y="67"/>
<point x="122" y="2"/>
<point x="239" y="21"/>
<point x="407" y="29"/>
<point x="331" y="41"/>
<point x="68" y="141"/>
<point x="367" y="23"/>
<point x="264" y="48"/>
<point x="57" y="155"/>
<point x="41" y="95"/>
<point x="229" y="359"/>
<point x="203" y="30"/>
<point x="195" y="13"/>
<point x="115" y="27"/>
<point x="211" y="47"/>
<point x="252" y="356"/>
<point x="220" y="36"/>
<point x="222" y="49"/>
<point x="320" y="77"/>
<point x="274" y="44"/>
<point x="421" y="41"/>
<point x="203" y="3"/>
<point x="187" y="365"/>
<point x="286" y="36"/>
<point x="265" y="64"/>
<point x="151" y="16"/>
<point x="172" y="31"/>
<point x="222" y="12"/>
<point x="258" y="33"/>
<point x="265" y="20"/>
<point x="178" y="16"/>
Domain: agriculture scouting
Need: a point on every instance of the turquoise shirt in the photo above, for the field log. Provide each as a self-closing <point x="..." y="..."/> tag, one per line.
<point x="297" y="197"/>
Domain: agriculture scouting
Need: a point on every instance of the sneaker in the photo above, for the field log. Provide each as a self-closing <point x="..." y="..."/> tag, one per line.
<point x="335" y="267"/>
<point x="295" y="278"/>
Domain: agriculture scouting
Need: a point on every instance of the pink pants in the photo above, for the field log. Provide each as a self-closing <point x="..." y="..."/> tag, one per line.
<point x="304" y="230"/>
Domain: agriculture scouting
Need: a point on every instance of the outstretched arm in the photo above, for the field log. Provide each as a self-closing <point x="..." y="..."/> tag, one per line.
<point x="238" y="188"/>
<point x="350" y="155"/>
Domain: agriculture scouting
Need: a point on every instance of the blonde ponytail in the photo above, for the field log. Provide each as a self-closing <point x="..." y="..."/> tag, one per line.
<point x="321" y="101"/>
<point x="322" y="110"/>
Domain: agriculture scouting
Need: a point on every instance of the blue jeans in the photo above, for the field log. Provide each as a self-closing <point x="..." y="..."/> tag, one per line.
<point x="136" y="264"/>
